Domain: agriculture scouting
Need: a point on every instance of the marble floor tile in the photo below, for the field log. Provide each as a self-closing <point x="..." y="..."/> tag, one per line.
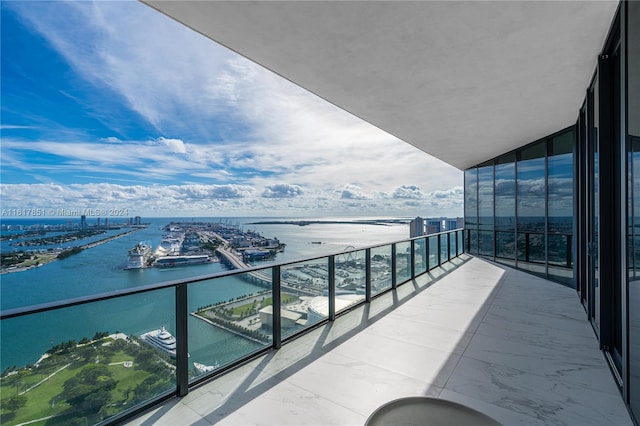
<point x="423" y="333"/>
<point x="502" y="415"/>
<point x="284" y="404"/>
<point x="547" y="399"/>
<point x="423" y="363"/>
<point x="357" y="385"/>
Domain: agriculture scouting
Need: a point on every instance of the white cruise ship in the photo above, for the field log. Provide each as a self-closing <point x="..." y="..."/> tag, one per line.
<point x="161" y="339"/>
<point x="139" y="256"/>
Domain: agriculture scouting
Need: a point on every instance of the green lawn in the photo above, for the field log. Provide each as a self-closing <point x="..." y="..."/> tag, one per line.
<point x="46" y="399"/>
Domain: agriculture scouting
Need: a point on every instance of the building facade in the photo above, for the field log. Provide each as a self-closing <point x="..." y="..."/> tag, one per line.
<point x="566" y="207"/>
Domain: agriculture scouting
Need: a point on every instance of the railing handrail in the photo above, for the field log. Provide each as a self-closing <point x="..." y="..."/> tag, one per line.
<point x="82" y="300"/>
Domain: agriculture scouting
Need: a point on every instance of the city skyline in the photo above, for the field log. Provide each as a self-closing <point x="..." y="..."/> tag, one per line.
<point x="112" y="105"/>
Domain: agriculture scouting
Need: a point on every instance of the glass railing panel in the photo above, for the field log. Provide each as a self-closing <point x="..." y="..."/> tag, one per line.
<point x="420" y="255"/>
<point x="304" y="295"/>
<point x="230" y="318"/>
<point x="403" y="262"/>
<point x="444" y="247"/>
<point x="433" y="251"/>
<point x="380" y="269"/>
<point x="350" y="278"/>
<point x="87" y="363"/>
<point x="460" y="236"/>
<point x="452" y="245"/>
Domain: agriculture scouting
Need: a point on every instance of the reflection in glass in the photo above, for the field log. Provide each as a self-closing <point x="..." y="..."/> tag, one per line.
<point x="633" y="215"/>
<point x="444" y="248"/>
<point x="433" y="252"/>
<point x="452" y="244"/>
<point x="403" y="262"/>
<point x="459" y="236"/>
<point x="560" y="209"/>
<point x="505" y="246"/>
<point x="303" y="295"/>
<point x="505" y="196"/>
<point x="96" y="367"/>
<point x="634" y="266"/>
<point x="531" y="205"/>
<point x="350" y="278"/>
<point x="471" y="208"/>
<point x="420" y="255"/>
<point x="380" y="269"/>
<point x="485" y="210"/>
<point x="230" y="318"/>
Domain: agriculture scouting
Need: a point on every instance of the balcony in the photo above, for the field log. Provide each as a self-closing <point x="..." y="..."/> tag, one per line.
<point x="509" y="344"/>
<point x="355" y="330"/>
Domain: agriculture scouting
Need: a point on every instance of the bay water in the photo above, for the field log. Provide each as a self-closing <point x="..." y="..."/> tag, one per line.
<point x="101" y="269"/>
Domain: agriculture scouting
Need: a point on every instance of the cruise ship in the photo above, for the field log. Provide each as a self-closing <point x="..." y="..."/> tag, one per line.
<point x="161" y="339"/>
<point x="139" y="256"/>
<point x="174" y="261"/>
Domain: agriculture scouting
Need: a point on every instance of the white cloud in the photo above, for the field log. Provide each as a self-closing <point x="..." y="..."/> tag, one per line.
<point x="174" y="145"/>
<point x="282" y="190"/>
<point x="408" y="191"/>
<point x="353" y="192"/>
<point x="207" y="200"/>
<point x="182" y="84"/>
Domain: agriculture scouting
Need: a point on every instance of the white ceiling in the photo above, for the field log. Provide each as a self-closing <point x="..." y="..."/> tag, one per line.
<point x="462" y="81"/>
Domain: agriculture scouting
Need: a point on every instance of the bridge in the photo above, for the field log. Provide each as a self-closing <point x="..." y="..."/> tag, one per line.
<point x="257" y="277"/>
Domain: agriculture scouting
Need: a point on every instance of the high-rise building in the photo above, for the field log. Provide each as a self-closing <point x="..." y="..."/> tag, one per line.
<point x="417" y="227"/>
<point x="83" y="222"/>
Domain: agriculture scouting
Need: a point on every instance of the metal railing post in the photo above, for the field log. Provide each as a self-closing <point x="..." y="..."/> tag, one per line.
<point x="413" y="258"/>
<point x="367" y="276"/>
<point x="394" y="282"/>
<point x="332" y="288"/>
<point x="182" y="339"/>
<point x="455" y="236"/>
<point x="277" y="306"/>
<point x="428" y="253"/>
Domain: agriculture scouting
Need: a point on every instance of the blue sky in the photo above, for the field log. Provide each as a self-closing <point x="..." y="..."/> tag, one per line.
<point x="113" y="105"/>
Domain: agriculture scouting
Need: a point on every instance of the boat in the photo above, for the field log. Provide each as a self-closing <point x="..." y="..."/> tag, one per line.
<point x="174" y="261"/>
<point x="139" y="256"/>
<point x="161" y="339"/>
<point x="202" y="368"/>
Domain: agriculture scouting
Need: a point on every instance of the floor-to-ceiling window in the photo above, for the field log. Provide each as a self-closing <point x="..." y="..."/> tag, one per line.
<point x="471" y="210"/>
<point x="560" y="207"/>
<point x="485" y="210"/>
<point x="633" y="202"/>
<point x="519" y="208"/>
<point x="505" y="209"/>
<point x="531" y="207"/>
